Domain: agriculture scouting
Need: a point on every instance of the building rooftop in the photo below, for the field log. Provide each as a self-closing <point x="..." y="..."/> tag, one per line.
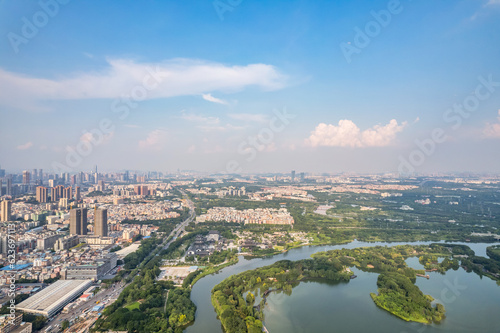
<point x="53" y="298"/>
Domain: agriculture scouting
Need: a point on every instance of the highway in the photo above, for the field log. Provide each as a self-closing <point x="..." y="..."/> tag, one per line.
<point x="181" y="227"/>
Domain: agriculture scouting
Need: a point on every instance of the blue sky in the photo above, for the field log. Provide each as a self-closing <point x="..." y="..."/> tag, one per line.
<point x="224" y="70"/>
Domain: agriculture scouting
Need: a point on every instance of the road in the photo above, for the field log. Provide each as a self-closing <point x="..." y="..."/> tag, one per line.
<point x="181" y="227"/>
<point x="111" y="294"/>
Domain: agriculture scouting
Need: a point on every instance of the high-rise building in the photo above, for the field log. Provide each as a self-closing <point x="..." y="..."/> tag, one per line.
<point x="77" y="193"/>
<point x="8" y="189"/>
<point x="1" y="188"/>
<point x="302" y="177"/>
<point x="68" y="193"/>
<point x="101" y="222"/>
<point x="141" y="189"/>
<point x="53" y="194"/>
<point x="6" y="207"/>
<point x="57" y="193"/>
<point x="26" y="177"/>
<point x="51" y="182"/>
<point x="100" y="185"/>
<point x="40" y="174"/>
<point x="293" y="176"/>
<point x="78" y="221"/>
<point x="42" y="194"/>
<point x="2" y="173"/>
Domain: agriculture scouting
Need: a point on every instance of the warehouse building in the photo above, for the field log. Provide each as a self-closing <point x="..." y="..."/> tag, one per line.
<point x="54" y="298"/>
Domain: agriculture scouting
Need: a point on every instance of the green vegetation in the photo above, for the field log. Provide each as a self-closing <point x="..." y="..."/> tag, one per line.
<point x="135" y="258"/>
<point x="483" y="266"/>
<point x="238" y="313"/>
<point x="399" y="296"/>
<point x="18" y="299"/>
<point x="231" y="258"/>
<point x="37" y="322"/>
<point x="493" y="252"/>
<point x="141" y="305"/>
<point x="397" y="292"/>
<point x="64" y="325"/>
<point x="133" y="306"/>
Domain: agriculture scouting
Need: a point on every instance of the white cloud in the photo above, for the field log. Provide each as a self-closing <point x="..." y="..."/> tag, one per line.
<point x="96" y="140"/>
<point x="201" y="119"/>
<point x="210" y="124"/>
<point x="492" y="130"/>
<point x="177" y="77"/>
<point x="25" y="146"/>
<point x="270" y="148"/>
<point x="348" y="134"/>
<point x="153" y="140"/>
<point x="210" y="98"/>
<point x="484" y="9"/>
<point x="221" y="128"/>
<point x="250" y="117"/>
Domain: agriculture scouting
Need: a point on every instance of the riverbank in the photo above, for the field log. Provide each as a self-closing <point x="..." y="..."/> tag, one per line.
<point x="207" y="321"/>
<point x="397" y="291"/>
<point x="211" y="270"/>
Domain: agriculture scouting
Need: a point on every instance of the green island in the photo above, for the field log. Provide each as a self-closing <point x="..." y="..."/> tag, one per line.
<point x="234" y="298"/>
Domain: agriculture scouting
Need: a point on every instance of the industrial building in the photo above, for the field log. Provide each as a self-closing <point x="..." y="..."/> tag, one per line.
<point x="54" y="298"/>
<point x="94" y="272"/>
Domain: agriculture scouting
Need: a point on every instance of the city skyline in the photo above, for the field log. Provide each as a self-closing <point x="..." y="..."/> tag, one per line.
<point x="366" y="87"/>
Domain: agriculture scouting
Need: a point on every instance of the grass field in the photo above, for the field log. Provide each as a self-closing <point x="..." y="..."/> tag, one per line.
<point x="133" y="306"/>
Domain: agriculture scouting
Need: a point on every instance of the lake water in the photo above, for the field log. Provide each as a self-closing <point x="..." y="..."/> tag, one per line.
<point x="472" y="304"/>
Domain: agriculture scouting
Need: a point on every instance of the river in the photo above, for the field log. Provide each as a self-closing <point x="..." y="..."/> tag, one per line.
<point x="321" y="307"/>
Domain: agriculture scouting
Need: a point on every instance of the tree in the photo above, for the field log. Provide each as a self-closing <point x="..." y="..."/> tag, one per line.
<point x="64" y="325"/>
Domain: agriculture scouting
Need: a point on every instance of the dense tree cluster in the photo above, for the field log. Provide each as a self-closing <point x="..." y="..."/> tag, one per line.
<point x="135" y="258"/>
<point x="234" y="298"/>
<point x="143" y="305"/>
<point x="398" y="295"/>
<point x="238" y="313"/>
<point x="494" y="252"/>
